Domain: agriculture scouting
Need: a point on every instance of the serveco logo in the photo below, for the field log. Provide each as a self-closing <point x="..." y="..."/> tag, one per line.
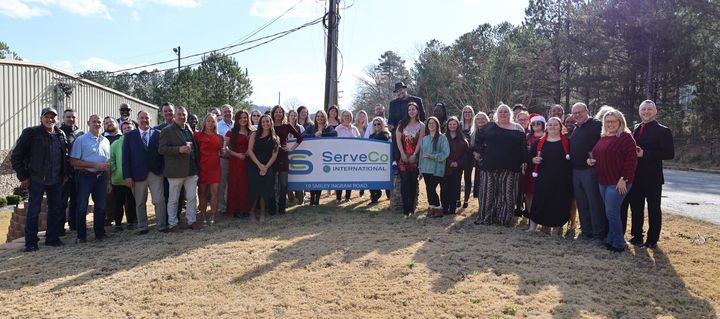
<point x="372" y="157"/>
<point x="299" y="163"/>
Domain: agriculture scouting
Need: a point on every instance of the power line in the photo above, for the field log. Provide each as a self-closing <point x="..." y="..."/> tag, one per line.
<point x="282" y="33"/>
<point x="266" y="24"/>
<point x="274" y="37"/>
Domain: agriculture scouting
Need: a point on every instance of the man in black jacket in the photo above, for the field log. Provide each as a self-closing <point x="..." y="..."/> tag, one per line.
<point x="654" y="144"/>
<point x="68" y="193"/>
<point x="40" y="163"/>
<point x="587" y="193"/>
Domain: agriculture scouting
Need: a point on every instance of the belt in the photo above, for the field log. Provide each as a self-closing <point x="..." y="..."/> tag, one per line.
<point x="86" y="172"/>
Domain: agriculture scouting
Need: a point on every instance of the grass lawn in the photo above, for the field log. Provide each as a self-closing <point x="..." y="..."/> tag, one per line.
<point x="360" y="261"/>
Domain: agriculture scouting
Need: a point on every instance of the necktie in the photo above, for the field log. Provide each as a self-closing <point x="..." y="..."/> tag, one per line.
<point x="144" y="138"/>
<point x="640" y="132"/>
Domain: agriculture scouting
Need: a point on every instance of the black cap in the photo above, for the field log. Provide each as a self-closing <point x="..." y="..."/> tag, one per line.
<point x="399" y="85"/>
<point x="48" y="110"/>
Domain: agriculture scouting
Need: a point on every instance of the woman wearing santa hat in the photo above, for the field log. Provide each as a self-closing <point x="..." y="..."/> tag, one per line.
<point x="552" y="171"/>
<point x="527" y="184"/>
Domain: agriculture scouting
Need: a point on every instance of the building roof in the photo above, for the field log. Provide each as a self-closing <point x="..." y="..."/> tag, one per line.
<point x="78" y="79"/>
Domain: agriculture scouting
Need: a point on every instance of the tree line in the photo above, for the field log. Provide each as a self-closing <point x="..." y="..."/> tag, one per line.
<point x="614" y="52"/>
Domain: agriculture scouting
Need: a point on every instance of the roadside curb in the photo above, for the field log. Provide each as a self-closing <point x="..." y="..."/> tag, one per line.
<point x="692" y="169"/>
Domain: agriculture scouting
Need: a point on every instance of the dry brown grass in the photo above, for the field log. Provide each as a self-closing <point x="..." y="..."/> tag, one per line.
<point x="356" y="262"/>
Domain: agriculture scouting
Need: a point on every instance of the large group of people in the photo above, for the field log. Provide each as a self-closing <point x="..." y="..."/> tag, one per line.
<point x="548" y="168"/>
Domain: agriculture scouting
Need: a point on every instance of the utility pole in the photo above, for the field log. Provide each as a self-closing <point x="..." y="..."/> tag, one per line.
<point x="278" y="98"/>
<point x="177" y="51"/>
<point x="331" y="22"/>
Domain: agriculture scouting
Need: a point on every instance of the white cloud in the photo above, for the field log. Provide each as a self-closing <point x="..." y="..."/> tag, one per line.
<point x="135" y="16"/>
<point x="79" y="7"/>
<point x="274" y="8"/>
<point x="171" y="3"/>
<point x="18" y="9"/>
<point x="64" y="65"/>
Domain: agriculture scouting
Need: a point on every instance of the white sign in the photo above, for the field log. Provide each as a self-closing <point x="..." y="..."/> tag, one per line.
<point x="340" y="163"/>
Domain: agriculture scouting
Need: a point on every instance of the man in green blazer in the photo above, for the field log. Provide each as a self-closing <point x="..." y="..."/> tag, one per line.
<point x="180" y="153"/>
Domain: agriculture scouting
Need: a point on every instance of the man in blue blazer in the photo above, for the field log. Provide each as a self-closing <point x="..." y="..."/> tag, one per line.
<point x="142" y="169"/>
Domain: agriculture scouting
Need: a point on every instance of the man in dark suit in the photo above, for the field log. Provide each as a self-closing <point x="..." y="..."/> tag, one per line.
<point x="142" y="168"/>
<point x="654" y="144"/>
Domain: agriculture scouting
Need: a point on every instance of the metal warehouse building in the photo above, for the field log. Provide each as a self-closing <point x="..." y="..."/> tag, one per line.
<point x="26" y="87"/>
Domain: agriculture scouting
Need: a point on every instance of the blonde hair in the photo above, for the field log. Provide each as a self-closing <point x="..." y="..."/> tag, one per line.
<point x="623" y="124"/>
<point x="602" y="111"/>
<point x="503" y="106"/>
<point x="205" y="118"/>
<point x="474" y="130"/>
<point x="362" y="126"/>
<point x="383" y="126"/>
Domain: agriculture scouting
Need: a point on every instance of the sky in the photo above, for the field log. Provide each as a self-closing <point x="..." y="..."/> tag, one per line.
<point x="109" y="35"/>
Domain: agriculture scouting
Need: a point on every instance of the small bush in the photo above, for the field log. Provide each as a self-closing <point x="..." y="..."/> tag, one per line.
<point x="13" y="199"/>
<point x="3" y="201"/>
<point x="23" y="193"/>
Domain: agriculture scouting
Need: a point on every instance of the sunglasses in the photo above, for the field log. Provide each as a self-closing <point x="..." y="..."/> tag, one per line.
<point x="256" y="115"/>
<point x="377" y="124"/>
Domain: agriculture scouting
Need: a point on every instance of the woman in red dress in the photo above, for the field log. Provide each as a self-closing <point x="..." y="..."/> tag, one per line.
<point x="210" y="144"/>
<point x="537" y="130"/>
<point x="237" y="141"/>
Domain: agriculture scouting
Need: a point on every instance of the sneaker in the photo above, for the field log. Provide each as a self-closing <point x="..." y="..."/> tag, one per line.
<point x="31" y="248"/>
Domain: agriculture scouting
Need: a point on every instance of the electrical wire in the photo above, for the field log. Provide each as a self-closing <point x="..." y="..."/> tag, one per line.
<point x="277" y="36"/>
<point x="280" y="34"/>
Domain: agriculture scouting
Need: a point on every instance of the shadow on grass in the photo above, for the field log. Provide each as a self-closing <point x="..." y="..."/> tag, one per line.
<point x="590" y="280"/>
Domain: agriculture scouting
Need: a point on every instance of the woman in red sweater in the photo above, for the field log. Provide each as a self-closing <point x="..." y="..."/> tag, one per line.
<point x="615" y="159"/>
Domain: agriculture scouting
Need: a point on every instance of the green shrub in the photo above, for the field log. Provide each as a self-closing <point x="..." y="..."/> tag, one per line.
<point x="3" y="201"/>
<point x="23" y="193"/>
<point x="13" y="199"/>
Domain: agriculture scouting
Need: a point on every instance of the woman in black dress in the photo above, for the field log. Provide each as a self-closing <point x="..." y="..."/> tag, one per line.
<point x="502" y="146"/>
<point x="319" y="129"/>
<point x="552" y="171"/>
<point x="263" y="150"/>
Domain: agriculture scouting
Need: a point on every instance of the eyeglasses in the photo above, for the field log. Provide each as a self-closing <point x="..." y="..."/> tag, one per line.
<point x="256" y="115"/>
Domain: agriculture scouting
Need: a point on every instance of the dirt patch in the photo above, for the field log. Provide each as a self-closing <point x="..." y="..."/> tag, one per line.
<point x="359" y="261"/>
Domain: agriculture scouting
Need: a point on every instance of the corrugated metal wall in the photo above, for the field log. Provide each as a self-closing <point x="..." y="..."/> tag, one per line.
<point x="25" y="88"/>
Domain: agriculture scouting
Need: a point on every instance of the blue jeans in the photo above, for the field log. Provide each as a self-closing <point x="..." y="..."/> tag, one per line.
<point x="589" y="204"/>
<point x="95" y="185"/>
<point x="613" y="199"/>
<point x="54" y="213"/>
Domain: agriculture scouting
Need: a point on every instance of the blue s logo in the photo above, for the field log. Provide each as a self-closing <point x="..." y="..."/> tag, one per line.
<point x="299" y="165"/>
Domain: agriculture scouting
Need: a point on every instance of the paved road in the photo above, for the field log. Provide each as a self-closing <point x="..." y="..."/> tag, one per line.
<point x="692" y="194"/>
